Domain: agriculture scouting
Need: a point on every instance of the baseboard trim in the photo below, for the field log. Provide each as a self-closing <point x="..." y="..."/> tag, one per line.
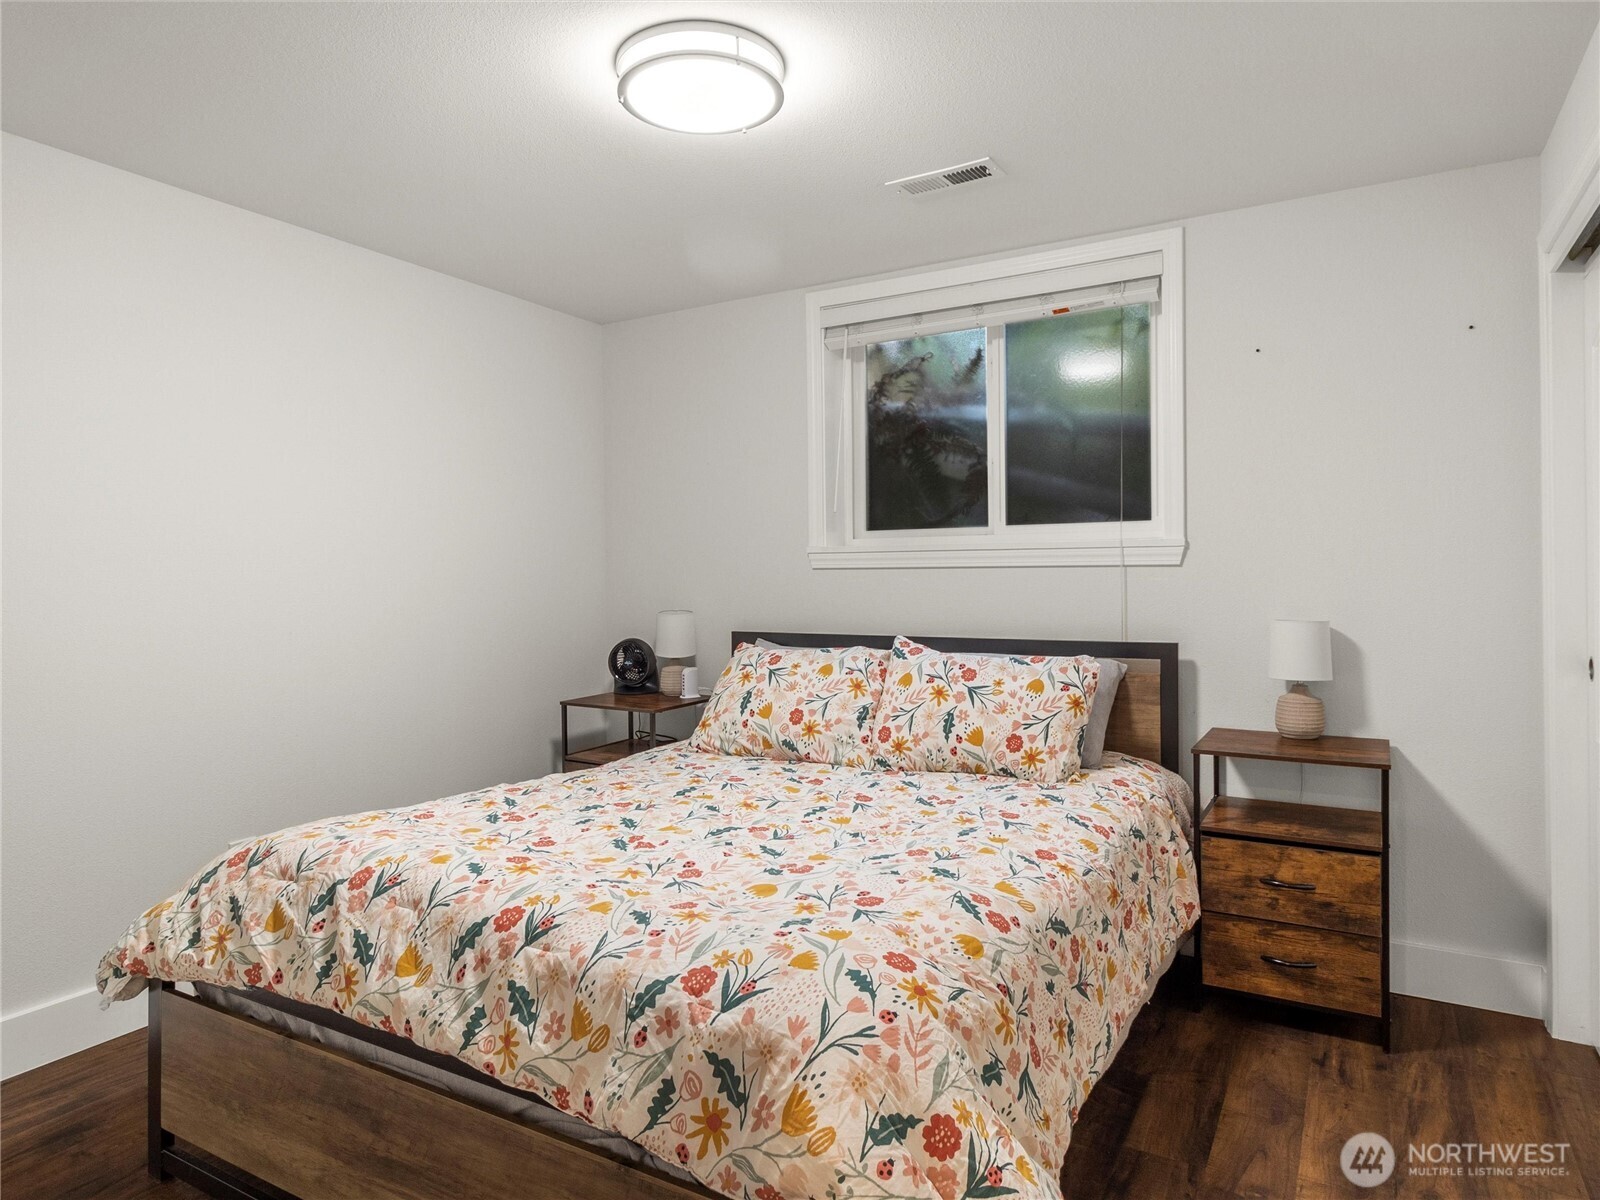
<point x="57" y="1028"/>
<point x="1462" y="977"/>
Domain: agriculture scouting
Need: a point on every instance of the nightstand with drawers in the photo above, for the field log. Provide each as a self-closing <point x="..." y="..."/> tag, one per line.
<point x="1295" y="897"/>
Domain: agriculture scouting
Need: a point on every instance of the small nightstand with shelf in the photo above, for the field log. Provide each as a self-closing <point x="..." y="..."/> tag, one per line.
<point x="636" y="705"/>
<point x="1295" y="897"/>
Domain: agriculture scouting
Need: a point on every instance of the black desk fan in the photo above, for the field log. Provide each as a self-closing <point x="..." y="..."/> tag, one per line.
<point x="633" y="667"/>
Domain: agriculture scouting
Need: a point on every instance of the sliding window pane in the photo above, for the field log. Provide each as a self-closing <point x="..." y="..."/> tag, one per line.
<point x="1078" y="418"/>
<point x="927" y="432"/>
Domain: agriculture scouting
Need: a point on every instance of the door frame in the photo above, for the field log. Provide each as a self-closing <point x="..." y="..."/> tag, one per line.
<point x="1567" y="470"/>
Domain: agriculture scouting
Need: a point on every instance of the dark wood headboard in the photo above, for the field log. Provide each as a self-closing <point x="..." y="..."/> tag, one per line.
<point x="1144" y="720"/>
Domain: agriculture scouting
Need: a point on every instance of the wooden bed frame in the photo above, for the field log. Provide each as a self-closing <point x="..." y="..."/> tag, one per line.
<point x="246" y="1111"/>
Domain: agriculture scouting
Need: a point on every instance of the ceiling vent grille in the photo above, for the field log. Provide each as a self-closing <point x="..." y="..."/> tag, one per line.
<point x="963" y="175"/>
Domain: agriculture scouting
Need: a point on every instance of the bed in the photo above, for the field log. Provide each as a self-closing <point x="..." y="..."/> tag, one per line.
<point x="679" y="975"/>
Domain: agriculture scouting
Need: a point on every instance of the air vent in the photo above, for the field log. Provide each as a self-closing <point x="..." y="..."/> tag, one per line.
<point x="964" y="175"/>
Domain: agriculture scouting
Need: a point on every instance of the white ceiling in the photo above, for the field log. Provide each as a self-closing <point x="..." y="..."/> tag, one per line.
<point x="485" y="141"/>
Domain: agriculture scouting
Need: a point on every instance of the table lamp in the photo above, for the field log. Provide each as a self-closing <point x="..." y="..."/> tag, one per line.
<point x="674" y="645"/>
<point x="1300" y="652"/>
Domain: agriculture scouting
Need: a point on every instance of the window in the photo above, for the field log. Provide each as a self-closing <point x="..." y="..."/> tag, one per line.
<point x="1013" y="413"/>
<point x="927" y="429"/>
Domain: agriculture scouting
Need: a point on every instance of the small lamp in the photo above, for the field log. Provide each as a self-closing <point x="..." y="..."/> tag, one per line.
<point x="1300" y="652"/>
<point x="674" y="645"/>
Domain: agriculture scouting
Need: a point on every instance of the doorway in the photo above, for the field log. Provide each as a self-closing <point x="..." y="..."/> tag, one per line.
<point x="1591" y="327"/>
<point x="1570" y="484"/>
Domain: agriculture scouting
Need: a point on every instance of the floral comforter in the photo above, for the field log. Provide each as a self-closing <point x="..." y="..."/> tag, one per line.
<point x="795" y="980"/>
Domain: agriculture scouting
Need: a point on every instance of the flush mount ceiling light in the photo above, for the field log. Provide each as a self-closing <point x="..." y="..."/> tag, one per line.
<point x="700" y="77"/>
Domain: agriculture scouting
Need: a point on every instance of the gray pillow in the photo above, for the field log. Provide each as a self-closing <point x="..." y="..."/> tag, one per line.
<point x="1105" y="695"/>
<point x="766" y="645"/>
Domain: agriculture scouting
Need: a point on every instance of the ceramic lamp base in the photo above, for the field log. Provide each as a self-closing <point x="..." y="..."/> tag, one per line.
<point x="1300" y="714"/>
<point x="672" y="680"/>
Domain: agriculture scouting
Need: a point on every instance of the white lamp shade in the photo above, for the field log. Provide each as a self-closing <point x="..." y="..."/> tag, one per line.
<point x="675" y="633"/>
<point x="1300" y="651"/>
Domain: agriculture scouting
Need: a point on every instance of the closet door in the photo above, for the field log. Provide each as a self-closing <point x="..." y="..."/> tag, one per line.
<point x="1591" y="328"/>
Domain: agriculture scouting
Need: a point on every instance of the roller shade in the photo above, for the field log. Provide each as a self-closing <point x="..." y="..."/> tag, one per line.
<point x="1145" y="290"/>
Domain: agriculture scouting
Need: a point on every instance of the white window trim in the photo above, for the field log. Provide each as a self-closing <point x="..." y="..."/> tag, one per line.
<point x="835" y="540"/>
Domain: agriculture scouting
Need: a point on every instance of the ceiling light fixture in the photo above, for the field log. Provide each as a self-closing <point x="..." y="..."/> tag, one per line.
<point x="700" y="77"/>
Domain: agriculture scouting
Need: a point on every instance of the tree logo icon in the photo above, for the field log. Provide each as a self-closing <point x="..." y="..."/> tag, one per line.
<point x="1367" y="1159"/>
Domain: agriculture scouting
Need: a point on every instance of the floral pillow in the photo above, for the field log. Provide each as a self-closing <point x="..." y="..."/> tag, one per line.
<point x="812" y="705"/>
<point x="983" y="713"/>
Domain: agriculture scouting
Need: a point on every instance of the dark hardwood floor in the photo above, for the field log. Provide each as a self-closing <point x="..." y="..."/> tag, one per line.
<point x="1236" y="1100"/>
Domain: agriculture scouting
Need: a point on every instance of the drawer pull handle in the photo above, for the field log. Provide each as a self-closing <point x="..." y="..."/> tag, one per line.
<point x="1284" y="962"/>
<point x="1272" y="881"/>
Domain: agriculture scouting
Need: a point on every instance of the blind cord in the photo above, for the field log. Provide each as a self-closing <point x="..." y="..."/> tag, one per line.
<point x="845" y="410"/>
<point x="1122" y="423"/>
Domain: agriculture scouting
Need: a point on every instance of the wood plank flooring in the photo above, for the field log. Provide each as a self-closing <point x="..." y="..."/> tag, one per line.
<point x="1237" y="1101"/>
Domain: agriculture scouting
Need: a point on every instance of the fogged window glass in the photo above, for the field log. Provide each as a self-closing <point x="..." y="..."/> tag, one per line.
<point x="927" y="432"/>
<point x="1078" y="418"/>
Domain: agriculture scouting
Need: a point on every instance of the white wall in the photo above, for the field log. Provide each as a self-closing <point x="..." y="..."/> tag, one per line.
<point x="1363" y="444"/>
<point x="290" y="528"/>
<point x="293" y="528"/>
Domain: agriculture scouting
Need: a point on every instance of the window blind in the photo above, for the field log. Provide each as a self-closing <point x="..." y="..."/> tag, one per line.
<point x="1145" y="290"/>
